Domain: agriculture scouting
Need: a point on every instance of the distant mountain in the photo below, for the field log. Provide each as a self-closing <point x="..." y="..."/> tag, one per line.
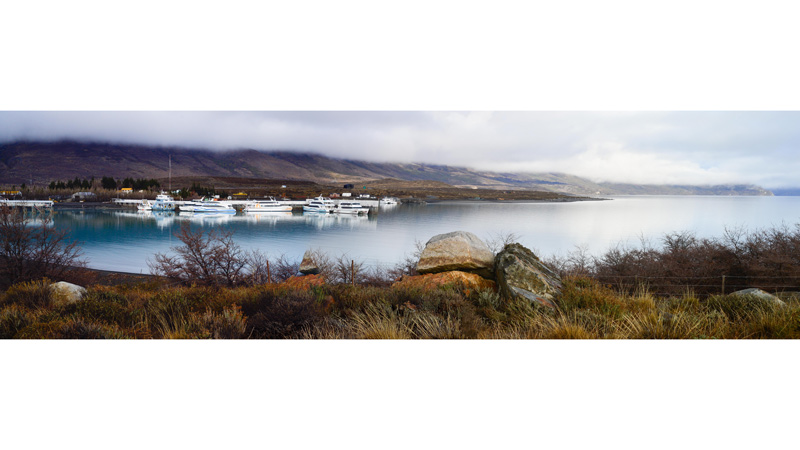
<point x="673" y="189"/>
<point x="787" y="192"/>
<point x="43" y="162"/>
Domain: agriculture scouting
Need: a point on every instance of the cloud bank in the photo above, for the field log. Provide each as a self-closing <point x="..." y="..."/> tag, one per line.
<point x="628" y="147"/>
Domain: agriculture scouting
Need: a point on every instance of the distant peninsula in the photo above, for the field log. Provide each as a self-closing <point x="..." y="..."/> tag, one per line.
<point x="40" y="162"/>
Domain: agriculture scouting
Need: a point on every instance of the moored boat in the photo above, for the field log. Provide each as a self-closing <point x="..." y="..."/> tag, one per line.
<point x="270" y="205"/>
<point x="208" y="207"/>
<point x="163" y="202"/>
<point x="350" y="207"/>
<point x="319" y="205"/>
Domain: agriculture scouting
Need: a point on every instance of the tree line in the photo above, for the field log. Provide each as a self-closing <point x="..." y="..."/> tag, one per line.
<point x="137" y="184"/>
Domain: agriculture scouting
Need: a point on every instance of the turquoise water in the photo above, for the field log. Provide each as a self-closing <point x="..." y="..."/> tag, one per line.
<point x="124" y="241"/>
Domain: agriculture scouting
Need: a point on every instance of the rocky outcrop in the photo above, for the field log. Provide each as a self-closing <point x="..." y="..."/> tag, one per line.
<point x="459" y="250"/>
<point x="759" y="294"/>
<point x="65" y="293"/>
<point x="469" y="281"/>
<point x="520" y="274"/>
<point x="308" y="266"/>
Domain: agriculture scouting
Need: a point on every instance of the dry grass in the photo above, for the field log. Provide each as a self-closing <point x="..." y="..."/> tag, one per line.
<point x="587" y="309"/>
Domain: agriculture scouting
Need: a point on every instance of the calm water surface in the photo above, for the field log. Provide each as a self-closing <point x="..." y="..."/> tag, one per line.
<point x="124" y="241"/>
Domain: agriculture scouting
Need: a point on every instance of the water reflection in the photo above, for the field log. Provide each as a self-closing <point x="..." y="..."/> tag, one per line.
<point x="351" y="221"/>
<point x="391" y="234"/>
<point x="166" y="219"/>
<point x="162" y="219"/>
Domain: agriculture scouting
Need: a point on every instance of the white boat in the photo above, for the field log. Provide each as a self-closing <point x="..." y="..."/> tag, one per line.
<point x="351" y="208"/>
<point x="388" y="201"/>
<point x="163" y="202"/>
<point x="208" y="207"/>
<point x="271" y="205"/>
<point x="320" y="205"/>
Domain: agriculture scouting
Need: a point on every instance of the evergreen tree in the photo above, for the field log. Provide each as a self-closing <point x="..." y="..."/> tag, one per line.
<point x="108" y="183"/>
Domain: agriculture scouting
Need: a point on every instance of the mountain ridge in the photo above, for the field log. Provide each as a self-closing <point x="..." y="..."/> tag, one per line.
<point x="43" y="162"/>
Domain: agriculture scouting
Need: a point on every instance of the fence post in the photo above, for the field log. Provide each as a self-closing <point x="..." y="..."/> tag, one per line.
<point x="723" y="285"/>
<point x="353" y="272"/>
<point x="269" y="275"/>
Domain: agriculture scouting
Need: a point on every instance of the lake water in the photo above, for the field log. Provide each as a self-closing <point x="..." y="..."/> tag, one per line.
<point x="124" y="241"/>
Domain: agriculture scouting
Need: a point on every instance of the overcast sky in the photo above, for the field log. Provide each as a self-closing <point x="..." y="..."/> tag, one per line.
<point x="636" y="147"/>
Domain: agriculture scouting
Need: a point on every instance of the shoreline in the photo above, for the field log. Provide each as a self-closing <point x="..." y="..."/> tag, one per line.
<point x="104" y="277"/>
<point x="493" y="200"/>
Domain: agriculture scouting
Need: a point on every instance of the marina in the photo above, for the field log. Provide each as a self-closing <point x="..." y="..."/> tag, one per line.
<point x="255" y="205"/>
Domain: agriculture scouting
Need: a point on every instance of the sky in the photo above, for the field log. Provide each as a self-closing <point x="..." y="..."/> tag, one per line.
<point x="691" y="147"/>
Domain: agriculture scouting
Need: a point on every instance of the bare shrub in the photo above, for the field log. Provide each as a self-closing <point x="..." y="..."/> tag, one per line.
<point x="284" y="268"/>
<point x="377" y="276"/>
<point x="31" y="251"/>
<point x="578" y="262"/>
<point x="768" y="259"/>
<point x="207" y="258"/>
<point x="409" y="264"/>
<point x="497" y="241"/>
<point x="259" y="270"/>
<point x="347" y="270"/>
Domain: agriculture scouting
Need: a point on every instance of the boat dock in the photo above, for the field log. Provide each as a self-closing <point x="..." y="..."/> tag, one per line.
<point x="240" y="204"/>
<point x="28" y="203"/>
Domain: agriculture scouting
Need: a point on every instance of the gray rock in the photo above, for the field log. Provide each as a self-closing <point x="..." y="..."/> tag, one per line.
<point x="758" y="293"/>
<point x="459" y="250"/>
<point x="520" y="274"/>
<point x="308" y="266"/>
<point x="64" y="292"/>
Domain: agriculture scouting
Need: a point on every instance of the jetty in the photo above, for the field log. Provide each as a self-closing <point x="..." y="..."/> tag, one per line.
<point x="240" y="204"/>
<point x="27" y="203"/>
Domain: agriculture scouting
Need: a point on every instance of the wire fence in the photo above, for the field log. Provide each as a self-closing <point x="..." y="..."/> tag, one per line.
<point x="700" y="285"/>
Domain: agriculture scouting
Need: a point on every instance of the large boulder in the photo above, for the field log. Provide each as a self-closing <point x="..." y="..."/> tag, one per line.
<point x="469" y="281"/>
<point x="520" y="274"/>
<point x="759" y="294"/>
<point x="459" y="250"/>
<point x="308" y="266"/>
<point x="65" y="293"/>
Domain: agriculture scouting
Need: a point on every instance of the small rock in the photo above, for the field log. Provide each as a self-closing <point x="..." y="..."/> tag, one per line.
<point x="308" y="266"/>
<point x="459" y="250"/>
<point x="65" y="293"/>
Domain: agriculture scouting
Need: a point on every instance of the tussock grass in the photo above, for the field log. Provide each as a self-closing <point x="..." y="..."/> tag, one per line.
<point x="32" y="294"/>
<point x="587" y="309"/>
